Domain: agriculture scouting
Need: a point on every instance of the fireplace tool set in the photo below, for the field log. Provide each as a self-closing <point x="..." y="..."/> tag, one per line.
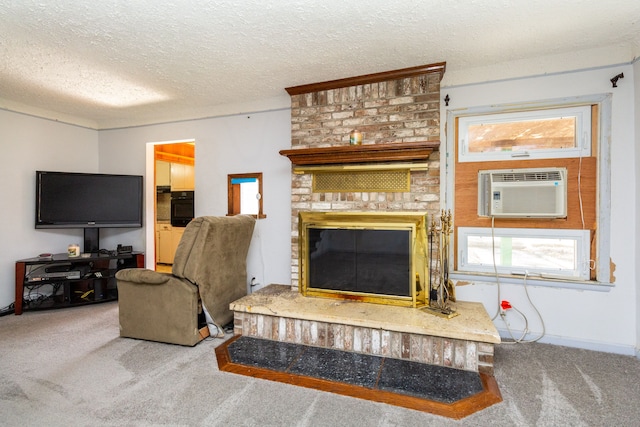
<point x="441" y="288"/>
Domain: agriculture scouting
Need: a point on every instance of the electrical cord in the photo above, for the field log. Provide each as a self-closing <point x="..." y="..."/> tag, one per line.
<point x="35" y="297"/>
<point x="526" y="291"/>
<point x="501" y="313"/>
<point x="591" y="263"/>
<point x="495" y="267"/>
<point x="224" y="332"/>
<point x="580" y="188"/>
<point x="8" y="309"/>
<point x="525" y="331"/>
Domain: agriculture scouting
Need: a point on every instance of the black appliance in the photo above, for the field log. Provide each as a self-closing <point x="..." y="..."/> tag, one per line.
<point x="88" y="200"/>
<point x="182" y="210"/>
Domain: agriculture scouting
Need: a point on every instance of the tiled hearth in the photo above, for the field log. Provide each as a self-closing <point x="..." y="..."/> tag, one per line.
<point x="277" y="313"/>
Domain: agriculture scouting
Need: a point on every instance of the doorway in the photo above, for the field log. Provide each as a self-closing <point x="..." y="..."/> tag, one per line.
<point x="173" y="164"/>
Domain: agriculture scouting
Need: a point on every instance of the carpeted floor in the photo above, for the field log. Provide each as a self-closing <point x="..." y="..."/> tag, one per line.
<point x="70" y="368"/>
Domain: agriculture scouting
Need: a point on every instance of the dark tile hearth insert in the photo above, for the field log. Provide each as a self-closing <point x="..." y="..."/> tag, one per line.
<point x="444" y="391"/>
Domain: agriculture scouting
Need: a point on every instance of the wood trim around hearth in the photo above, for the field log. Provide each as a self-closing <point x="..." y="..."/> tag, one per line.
<point x="368" y="78"/>
<point x="371" y="153"/>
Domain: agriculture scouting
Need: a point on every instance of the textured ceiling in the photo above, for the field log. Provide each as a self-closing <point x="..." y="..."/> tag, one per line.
<point x="123" y="63"/>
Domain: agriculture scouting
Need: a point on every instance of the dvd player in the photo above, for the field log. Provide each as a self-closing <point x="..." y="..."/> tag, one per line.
<point x="56" y="271"/>
<point x="73" y="274"/>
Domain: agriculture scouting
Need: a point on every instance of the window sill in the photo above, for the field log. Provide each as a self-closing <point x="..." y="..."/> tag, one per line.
<point x="259" y="216"/>
<point x="490" y="279"/>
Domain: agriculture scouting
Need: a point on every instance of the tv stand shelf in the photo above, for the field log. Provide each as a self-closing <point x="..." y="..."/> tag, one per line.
<point x="61" y="281"/>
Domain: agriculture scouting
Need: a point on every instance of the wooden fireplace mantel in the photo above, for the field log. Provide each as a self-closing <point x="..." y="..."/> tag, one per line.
<point x="368" y="153"/>
<point x="437" y="68"/>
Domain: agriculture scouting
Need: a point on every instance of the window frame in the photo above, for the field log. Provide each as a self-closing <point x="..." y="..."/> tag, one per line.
<point x="602" y="247"/>
<point x="581" y="238"/>
<point x="234" y="193"/>
<point x="582" y="114"/>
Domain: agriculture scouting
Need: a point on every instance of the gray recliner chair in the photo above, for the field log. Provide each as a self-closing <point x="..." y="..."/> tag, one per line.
<point x="209" y="272"/>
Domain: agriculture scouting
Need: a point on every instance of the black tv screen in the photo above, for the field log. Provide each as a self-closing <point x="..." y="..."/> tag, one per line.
<point x="86" y="200"/>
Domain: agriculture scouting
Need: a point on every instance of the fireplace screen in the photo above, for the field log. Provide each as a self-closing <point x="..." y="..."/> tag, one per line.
<point x="371" y="261"/>
<point x="374" y="257"/>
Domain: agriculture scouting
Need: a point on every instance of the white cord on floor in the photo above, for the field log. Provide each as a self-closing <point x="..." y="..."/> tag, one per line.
<point x="525" y="332"/>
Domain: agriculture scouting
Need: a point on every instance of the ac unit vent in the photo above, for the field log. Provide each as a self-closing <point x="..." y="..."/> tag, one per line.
<point x="523" y="193"/>
<point x="536" y="175"/>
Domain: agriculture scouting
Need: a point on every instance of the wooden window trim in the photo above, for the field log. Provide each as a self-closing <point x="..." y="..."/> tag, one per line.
<point x="233" y="194"/>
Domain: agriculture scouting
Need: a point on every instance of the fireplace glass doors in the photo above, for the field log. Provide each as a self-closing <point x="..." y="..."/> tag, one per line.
<point x="373" y="257"/>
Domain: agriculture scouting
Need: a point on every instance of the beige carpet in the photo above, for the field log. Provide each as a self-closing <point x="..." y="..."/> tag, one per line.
<point x="70" y="368"/>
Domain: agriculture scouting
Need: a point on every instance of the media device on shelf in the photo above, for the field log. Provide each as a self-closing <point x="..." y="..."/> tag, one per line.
<point x="89" y="201"/>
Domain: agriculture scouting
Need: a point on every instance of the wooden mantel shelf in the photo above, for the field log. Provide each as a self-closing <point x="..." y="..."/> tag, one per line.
<point x="368" y="153"/>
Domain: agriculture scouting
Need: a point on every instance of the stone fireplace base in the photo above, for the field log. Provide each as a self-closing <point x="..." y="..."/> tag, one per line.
<point x="279" y="313"/>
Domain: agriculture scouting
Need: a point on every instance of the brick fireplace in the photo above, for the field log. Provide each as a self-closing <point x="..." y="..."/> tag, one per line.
<point x="389" y="108"/>
<point x="396" y="170"/>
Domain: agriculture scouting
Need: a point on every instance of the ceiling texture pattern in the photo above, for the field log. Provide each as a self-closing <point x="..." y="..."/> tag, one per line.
<point x="113" y="64"/>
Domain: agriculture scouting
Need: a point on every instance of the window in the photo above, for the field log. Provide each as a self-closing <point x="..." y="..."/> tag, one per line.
<point x="245" y="194"/>
<point x="537" y="134"/>
<point x="571" y="135"/>
<point x="545" y="253"/>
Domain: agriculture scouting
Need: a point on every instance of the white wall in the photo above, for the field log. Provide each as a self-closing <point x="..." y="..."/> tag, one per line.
<point x="242" y="143"/>
<point x="30" y="144"/>
<point x="636" y="86"/>
<point x="598" y="320"/>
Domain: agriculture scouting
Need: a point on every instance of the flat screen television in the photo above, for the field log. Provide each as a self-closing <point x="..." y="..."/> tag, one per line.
<point x="88" y="200"/>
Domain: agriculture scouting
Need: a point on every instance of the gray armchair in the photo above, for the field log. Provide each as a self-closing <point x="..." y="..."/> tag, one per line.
<point x="209" y="272"/>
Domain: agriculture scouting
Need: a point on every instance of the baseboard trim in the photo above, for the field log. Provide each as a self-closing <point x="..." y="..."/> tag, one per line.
<point x="627" y="350"/>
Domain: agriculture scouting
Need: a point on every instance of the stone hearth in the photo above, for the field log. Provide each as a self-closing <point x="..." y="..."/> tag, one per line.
<point x="278" y="313"/>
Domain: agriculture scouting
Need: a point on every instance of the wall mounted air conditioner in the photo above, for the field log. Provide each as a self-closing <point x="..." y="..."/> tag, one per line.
<point x="523" y="193"/>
